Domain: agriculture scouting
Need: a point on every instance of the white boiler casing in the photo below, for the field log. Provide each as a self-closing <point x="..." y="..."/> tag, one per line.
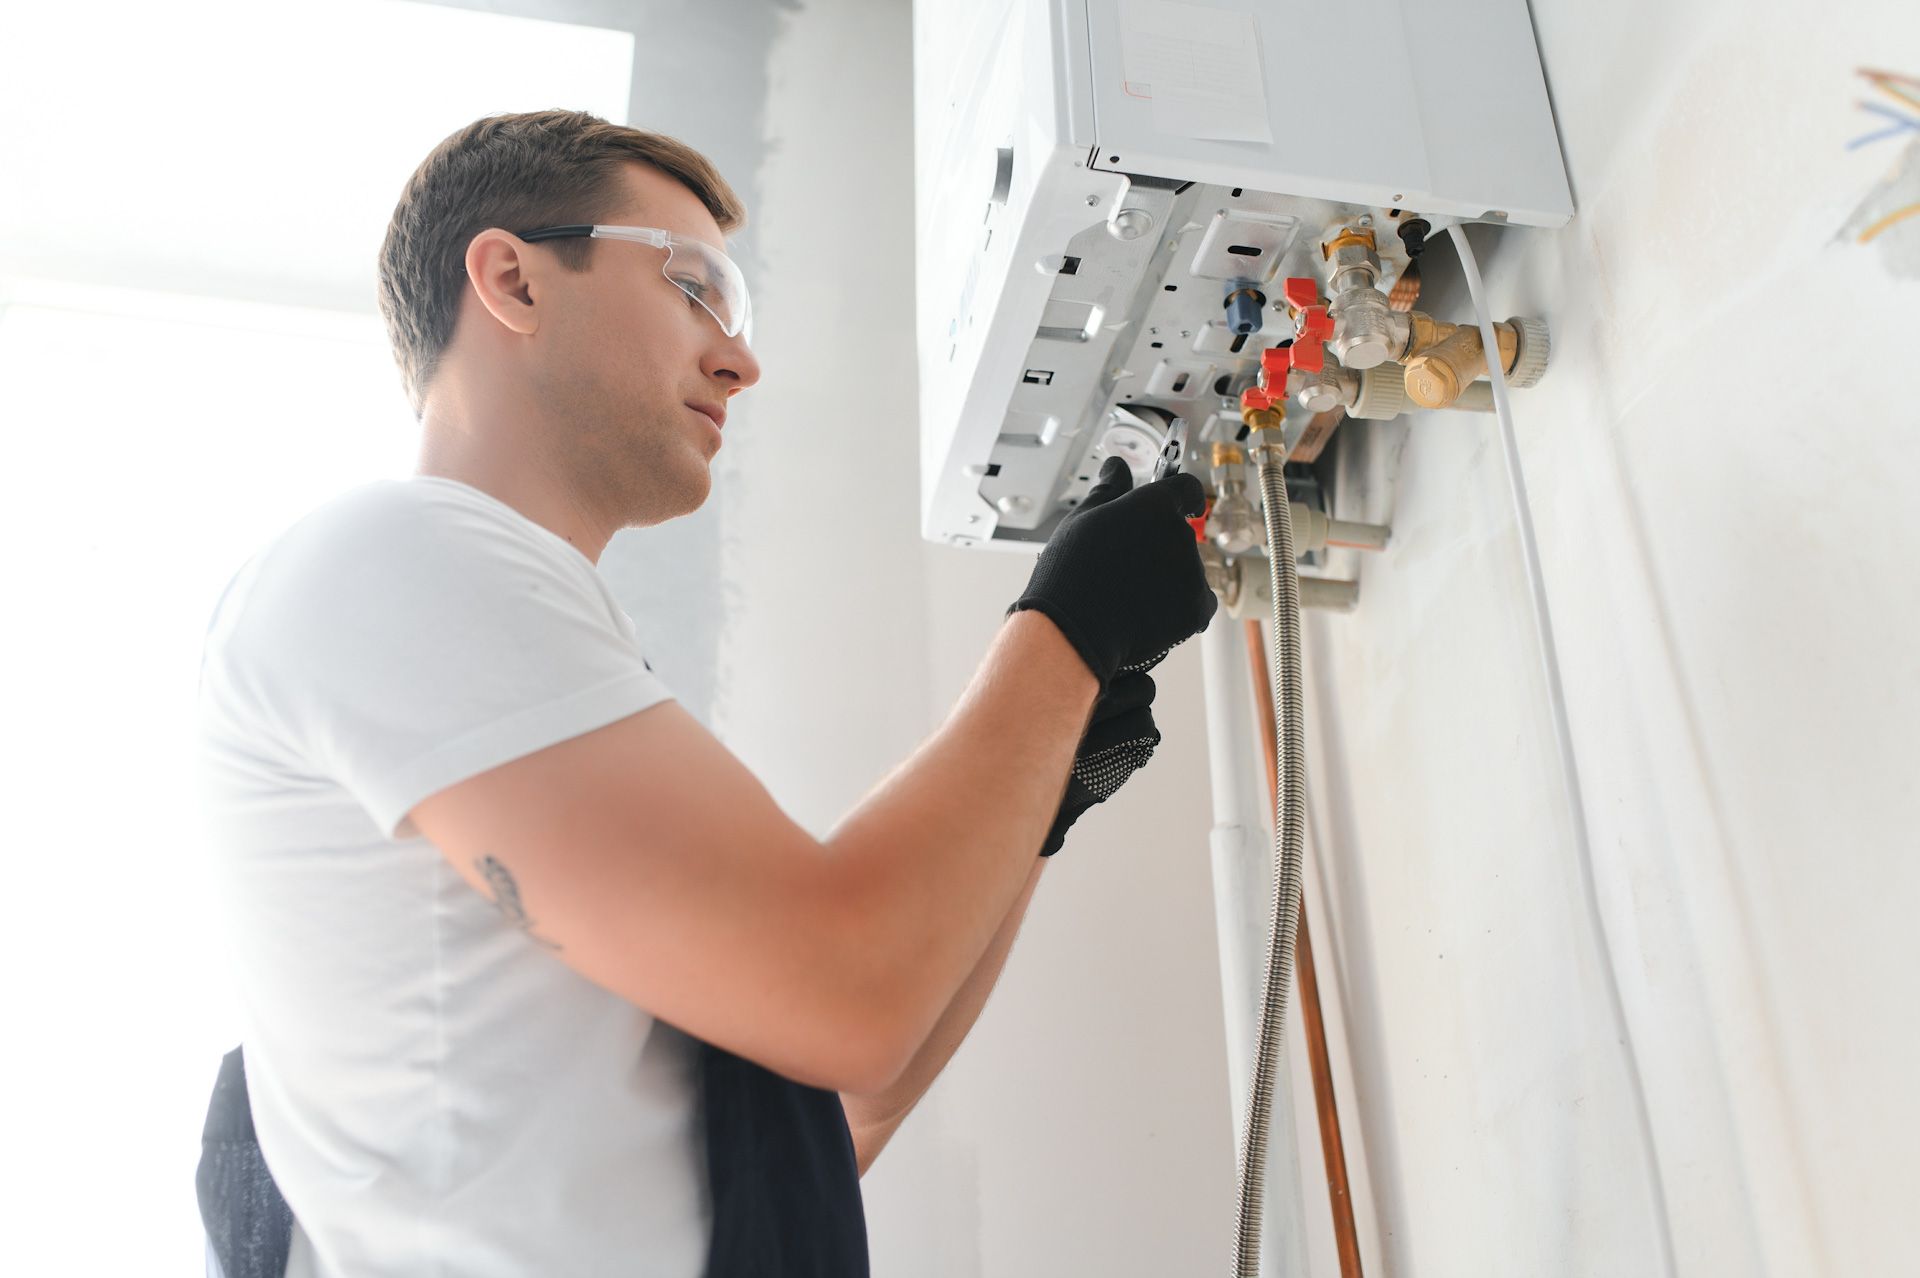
<point x="1230" y="139"/>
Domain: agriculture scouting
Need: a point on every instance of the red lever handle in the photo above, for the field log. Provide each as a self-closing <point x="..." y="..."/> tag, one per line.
<point x="1274" y="363"/>
<point x="1301" y="291"/>
<point x="1200" y="525"/>
<point x="1309" y="346"/>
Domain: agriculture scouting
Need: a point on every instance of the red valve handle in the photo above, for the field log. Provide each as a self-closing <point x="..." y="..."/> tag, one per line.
<point x="1309" y="346"/>
<point x="1301" y="291"/>
<point x="1200" y="525"/>
<point x="1274" y="363"/>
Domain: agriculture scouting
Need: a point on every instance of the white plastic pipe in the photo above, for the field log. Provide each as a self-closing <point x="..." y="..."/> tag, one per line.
<point x="1563" y="740"/>
<point x="1242" y="886"/>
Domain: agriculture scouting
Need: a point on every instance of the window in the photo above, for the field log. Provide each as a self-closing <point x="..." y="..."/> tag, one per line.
<point x="189" y="360"/>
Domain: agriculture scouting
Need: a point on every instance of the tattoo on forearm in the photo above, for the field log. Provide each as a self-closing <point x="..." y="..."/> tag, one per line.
<point x="506" y="895"/>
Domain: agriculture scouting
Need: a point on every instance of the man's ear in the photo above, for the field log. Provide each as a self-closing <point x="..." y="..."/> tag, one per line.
<point x="498" y="265"/>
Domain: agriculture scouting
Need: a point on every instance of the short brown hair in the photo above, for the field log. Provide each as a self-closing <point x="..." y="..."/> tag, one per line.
<point x="515" y="172"/>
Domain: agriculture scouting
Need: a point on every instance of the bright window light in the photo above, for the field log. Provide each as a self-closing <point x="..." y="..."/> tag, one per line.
<point x="148" y="456"/>
<point x="254" y="150"/>
<point x="189" y="361"/>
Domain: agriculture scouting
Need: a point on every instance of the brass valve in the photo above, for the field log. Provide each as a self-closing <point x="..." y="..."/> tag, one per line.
<point x="1266" y="417"/>
<point x="1262" y="411"/>
<point x="1362" y="237"/>
<point x="1425" y="333"/>
<point x="1453" y="360"/>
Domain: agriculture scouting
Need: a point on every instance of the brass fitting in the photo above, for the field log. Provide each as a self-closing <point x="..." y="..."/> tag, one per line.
<point x="1259" y="419"/>
<point x="1228" y="454"/>
<point x="1445" y="367"/>
<point x="1268" y="444"/>
<point x="1362" y="237"/>
<point x="1426" y="332"/>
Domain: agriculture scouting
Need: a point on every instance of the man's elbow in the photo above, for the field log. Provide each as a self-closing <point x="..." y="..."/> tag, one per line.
<point x="874" y="1011"/>
<point x="875" y="1030"/>
<point x="872" y="1053"/>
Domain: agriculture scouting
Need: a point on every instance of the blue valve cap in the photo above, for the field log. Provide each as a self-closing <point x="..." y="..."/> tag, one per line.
<point x="1244" y="311"/>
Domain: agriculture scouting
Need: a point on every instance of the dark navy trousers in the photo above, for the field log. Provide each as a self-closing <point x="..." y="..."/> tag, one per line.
<point x="786" y="1188"/>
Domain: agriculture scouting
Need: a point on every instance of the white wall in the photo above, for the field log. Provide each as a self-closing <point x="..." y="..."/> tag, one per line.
<point x="1720" y="463"/>
<point x="1084" y="1128"/>
<point x="1718" y="460"/>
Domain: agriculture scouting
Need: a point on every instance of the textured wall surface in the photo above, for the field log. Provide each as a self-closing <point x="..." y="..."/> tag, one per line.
<point x="1085" y="1126"/>
<point x="1727" y="540"/>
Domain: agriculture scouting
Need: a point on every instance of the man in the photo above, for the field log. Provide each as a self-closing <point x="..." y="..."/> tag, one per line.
<point x="537" y="978"/>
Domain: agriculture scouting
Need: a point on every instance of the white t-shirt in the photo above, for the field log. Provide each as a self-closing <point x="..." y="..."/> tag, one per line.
<point x="435" y="1092"/>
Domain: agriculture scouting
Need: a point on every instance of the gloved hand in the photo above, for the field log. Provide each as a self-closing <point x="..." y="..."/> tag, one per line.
<point x="1118" y="742"/>
<point x="1121" y="575"/>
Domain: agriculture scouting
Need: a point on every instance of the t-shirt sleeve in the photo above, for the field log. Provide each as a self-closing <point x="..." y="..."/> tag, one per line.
<point x="401" y="643"/>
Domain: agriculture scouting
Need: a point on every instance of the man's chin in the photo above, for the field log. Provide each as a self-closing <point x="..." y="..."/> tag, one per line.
<point x="688" y="494"/>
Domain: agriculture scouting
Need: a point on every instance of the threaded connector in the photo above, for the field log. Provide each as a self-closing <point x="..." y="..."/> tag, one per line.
<point x="1535" y="348"/>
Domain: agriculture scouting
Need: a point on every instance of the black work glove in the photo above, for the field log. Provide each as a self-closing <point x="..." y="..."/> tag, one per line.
<point x="1118" y="742"/>
<point x="1121" y="575"/>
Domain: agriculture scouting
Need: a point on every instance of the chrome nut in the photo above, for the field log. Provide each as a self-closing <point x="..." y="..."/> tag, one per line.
<point x="1317" y="392"/>
<point x="1221" y="578"/>
<point x="1353" y="266"/>
<point x="1364" y="329"/>
<point x="1349" y="255"/>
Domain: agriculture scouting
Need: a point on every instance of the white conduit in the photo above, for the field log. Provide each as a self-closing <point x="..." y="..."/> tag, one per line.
<point x="1557" y="707"/>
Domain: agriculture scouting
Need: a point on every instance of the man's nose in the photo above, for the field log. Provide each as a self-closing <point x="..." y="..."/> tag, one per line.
<point x="734" y="366"/>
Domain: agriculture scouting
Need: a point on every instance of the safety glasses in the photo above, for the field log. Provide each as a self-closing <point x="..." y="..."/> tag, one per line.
<point x="699" y="270"/>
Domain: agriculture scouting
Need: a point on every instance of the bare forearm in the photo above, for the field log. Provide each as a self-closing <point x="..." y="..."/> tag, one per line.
<point x="938" y="854"/>
<point x="875" y="1118"/>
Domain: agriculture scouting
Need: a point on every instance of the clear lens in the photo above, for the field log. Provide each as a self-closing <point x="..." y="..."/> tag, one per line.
<point x="710" y="278"/>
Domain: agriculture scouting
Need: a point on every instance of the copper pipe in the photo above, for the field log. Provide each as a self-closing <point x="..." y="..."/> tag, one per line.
<point x="1332" y="1149"/>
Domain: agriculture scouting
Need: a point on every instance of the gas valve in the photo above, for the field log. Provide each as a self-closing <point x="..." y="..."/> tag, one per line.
<point x="1367" y="331"/>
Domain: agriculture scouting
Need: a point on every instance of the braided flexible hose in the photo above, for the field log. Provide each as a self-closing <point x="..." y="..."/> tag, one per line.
<point x="1288" y="829"/>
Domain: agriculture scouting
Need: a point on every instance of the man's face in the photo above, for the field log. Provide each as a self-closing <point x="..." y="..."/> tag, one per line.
<point x="630" y="372"/>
